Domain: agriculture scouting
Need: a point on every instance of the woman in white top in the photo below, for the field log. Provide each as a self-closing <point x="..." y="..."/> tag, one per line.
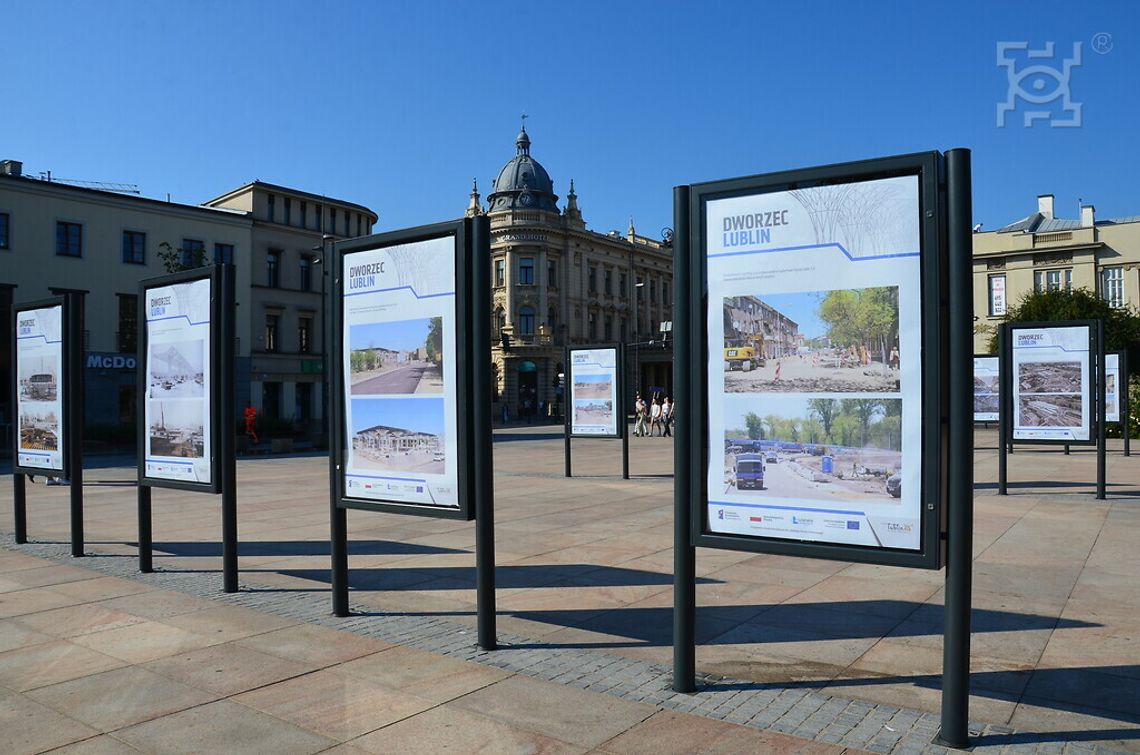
<point x="655" y="416"/>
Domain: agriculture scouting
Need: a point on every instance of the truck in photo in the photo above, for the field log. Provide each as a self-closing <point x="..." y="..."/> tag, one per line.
<point x="749" y="472"/>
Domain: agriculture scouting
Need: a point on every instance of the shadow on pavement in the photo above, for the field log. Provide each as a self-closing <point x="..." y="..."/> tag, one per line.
<point x="506" y="577"/>
<point x="300" y="548"/>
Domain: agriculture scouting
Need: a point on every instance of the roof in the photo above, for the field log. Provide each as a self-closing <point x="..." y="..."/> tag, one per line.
<point x="1038" y="223"/>
<point x="256" y="184"/>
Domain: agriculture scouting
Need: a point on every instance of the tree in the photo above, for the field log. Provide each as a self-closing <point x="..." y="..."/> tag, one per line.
<point x="862" y="409"/>
<point x="868" y="317"/>
<point x="825" y="410"/>
<point x="755" y="426"/>
<point x="177" y="260"/>
<point x="433" y="344"/>
<point x="1121" y="324"/>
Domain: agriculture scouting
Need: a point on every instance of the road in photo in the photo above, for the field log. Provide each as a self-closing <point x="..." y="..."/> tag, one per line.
<point x="39" y="427"/>
<point x="815" y="449"/>
<point x="593" y="386"/>
<point x="1050" y="410"/>
<point x="841" y="341"/>
<point x="985" y="394"/>
<point x="39" y="377"/>
<point x="398" y="435"/>
<point x="398" y="357"/>
<point x="176" y="369"/>
<point x="176" y="429"/>
<point x="593" y="412"/>
<point x="1049" y="377"/>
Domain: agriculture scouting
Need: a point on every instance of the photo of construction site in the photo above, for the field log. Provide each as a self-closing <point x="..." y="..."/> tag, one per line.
<point x="593" y="386"/>
<point x="841" y="341"/>
<point x="826" y="449"/>
<point x="39" y="428"/>
<point x="1050" y="410"/>
<point x="1110" y="409"/>
<point x="175" y="369"/>
<point x="1049" y="377"/>
<point x="593" y="411"/>
<point x="1049" y="394"/>
<point x="985" y="394"/>
<point x="399" y="357"/>
<point x="176" y="429"/>
<point x="398" y="435"/>
<point x="39" y="377"/>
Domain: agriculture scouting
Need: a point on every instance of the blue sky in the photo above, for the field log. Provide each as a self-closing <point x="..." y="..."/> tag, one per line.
<point x="399" y="105"/>
<point x="423" y="415"/>
<point x="401" y="335"/>
<point x="802" y="308"/>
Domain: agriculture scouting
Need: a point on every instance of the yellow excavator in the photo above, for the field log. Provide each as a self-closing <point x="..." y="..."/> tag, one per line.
<point x="745" y="354"/>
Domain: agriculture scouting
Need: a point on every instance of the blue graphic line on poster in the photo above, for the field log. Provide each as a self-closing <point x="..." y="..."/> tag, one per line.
<point x="179" y="317"/>
<point x="169" y="461"/>
<point x="817" y="246"/>
<point x="593" y="364"/>
<point x="32" y="338"/>
<point x="400" y="288"/>
<point x="786" y="508"/>
<point x="35" y="453"/>
<point x="1052" y="346"/>
<point x="381" y="477"/>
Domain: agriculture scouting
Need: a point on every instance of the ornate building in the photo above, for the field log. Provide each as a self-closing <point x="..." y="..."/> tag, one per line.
<point x="555" y="283"/>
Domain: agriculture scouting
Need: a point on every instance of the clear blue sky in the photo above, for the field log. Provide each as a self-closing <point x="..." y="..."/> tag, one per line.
<point x="399" y="105"/>
<point x="422" y="415"/>
<point x="400" y="335"/>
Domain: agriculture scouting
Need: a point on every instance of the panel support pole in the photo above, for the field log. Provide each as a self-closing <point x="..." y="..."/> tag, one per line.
<point x="1005" y="409"/>
<point x="74" y="357"/>
<point x="228" y="450"/>
<point x="1101" y="397"/>
<point x="20" y="507"/>
<point x="482" y="465"/>
<point x="146" y="530"/>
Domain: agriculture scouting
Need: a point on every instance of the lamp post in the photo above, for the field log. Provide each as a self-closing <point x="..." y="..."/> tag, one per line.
<point x="326" y="238"/>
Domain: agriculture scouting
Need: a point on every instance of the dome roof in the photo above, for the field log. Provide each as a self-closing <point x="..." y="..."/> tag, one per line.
<point x="523" y="182"/>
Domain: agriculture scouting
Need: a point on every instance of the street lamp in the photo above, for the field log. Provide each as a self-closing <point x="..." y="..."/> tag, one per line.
<point x="326" y="238"/>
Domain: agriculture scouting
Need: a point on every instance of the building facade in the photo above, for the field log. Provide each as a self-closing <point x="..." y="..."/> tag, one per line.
<point x="57" y="238"/>
<point x="1044" y="252"/>
<point x="555" y="283"/>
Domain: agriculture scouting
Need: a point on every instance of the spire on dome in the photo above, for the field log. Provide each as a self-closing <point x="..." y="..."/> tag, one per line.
<point x="474" y="207"/>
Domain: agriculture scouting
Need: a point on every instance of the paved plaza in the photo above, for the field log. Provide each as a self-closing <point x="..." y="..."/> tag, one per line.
<point x="794" y="654"/>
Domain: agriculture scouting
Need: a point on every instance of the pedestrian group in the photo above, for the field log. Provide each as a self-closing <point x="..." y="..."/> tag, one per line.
<point x="657" y="415"/>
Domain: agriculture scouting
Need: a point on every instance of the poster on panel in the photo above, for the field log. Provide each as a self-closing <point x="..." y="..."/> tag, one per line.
<point x="594" y="392"/>
<point x="1051" y="378"/>
<point x="400" y="374"/>
<point x="1112" y="388"/>
<point x="814" y="375"/>
<point x="40" y="388"/>
<point x="986" y="388"/>
<point x="178" y="370"/>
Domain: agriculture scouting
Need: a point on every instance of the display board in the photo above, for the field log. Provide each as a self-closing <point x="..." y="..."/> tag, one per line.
<point x="820" y="320"/>
<point x="987" y="388"/>
<point x="1113" y="382"/>
<point x="178" y="381"/>
<point x="595" y="390"/>
<point x="41" y="387"/>
<point x="1051" y="374"/>
<point x="402" y="371"/>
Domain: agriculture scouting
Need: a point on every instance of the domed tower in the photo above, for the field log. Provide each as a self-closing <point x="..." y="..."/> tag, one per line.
<point x="522" y="184"/>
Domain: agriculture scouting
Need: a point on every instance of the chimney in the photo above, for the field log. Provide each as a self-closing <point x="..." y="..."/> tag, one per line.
<point x="1045" y="205"/>
<point x="11" y="167"/>
<point x="1088" y="216"/>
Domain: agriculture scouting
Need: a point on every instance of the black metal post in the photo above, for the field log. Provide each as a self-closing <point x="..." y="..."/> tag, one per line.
<point x="20" y="507"/>
<point x="1101" y="397"/>
<point x="624" y="444"/>
<point x="227" y="447"/>
<point x="483" y="462"/>
<point x="1066" y="449"/>
<point x="74" y="357"/>
<point x="1004" y="410"/>
<point x="146" y="541"/>
<point x="960" y="492"/>
<point x="1123" y="379"/>
<point x="338" y="517"/>
<point x="684" y="554"/>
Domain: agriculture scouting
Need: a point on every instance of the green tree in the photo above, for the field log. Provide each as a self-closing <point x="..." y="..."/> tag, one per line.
<point x="755" y="426"/>
<point x="434" y="342"/>
<point x="1121" y="324"/>
<point x="825" y="410"/>
<point x="175" y="261"/>
<point x="868" y="317"/>
<point x="862" y="410"/>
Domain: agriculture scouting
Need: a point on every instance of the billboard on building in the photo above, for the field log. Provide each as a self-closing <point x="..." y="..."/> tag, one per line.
<point x="41" y="387"/>
<point x="820" y="326"/>
<point x="179" y="380"/>
<point x="402" y="372"/>
<point x="1051" y="372"/>
<point x="987" y="388"/>
<point x="595" y="385"/>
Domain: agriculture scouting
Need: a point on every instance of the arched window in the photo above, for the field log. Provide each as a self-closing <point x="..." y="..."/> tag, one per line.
<point x="526" y="321"/>
<point x="500" y="319"/>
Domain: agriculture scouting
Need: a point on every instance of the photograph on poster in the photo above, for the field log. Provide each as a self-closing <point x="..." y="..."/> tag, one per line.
<point x="986" y="389"/>
<point x="593" y="386"/>
<point x="39" y="427"/>
<point x="1112" y="414"/>
<point x="176" y="429"/>
<point x="396" y="357"/>
<point x="398" y="435"/>
<point x="821" y="449"/>
<point x="593" y="411"/>
<point x="1050" y="410"/>
<point x="176" y="369"/>
<point x="1051" y="379"/>
<point x="839" y="341"/>
<point x="39" y="377"/>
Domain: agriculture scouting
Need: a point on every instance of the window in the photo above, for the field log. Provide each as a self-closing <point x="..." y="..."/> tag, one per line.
<point x="288" y="211"/>
<point x="1053" y="280"/>
<point x="552" y="319"/>
<point x="592" y="328"/>
<point x="1113" y="279"/>
<point x="332" y="220"/>
<point x="551" y="274"/>
<point x="608" y="282"/>
<point x="500" y="319"/>
<point x="272" y="211"/>
<point x="224" y="254"/>
<point x="526" y="271"/>
<point x="306" y="273"/>
<point x="134" y="247"/>
<point x="271" y="324"/>
<point x="303" y="401"/>
<point x="347" y="219"/>
<point x="652" y="292"/>
<point x="304" y="214"/>
<point x="608" y="328"/>
<point x="665" y="286"/>
<point x="193" y="253"/>
<point x="526" y="321"/>
<point x="127" y="335"/>
<point x="271" y="400"/>
<point x="318" y="217"/>
<point x="273" y="268"/>
<point x="305" y="334"/>
<point x="4" y="241"/>
<point x="592" y="280"/>
<point x="997" y="295"/>
<point x="622" y="290"/>
<point x="359" y="221"/>
<point x="69" y="239"/>
<point x="500" y="271"/>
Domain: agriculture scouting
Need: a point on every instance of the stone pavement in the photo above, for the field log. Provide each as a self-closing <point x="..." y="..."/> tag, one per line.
<point x="829" y="651"/>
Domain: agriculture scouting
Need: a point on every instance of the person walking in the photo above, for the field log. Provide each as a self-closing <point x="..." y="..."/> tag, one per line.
<point x="639" y="411"/>
<point x="666" y="417"/>
<point x="655" y="415"/>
